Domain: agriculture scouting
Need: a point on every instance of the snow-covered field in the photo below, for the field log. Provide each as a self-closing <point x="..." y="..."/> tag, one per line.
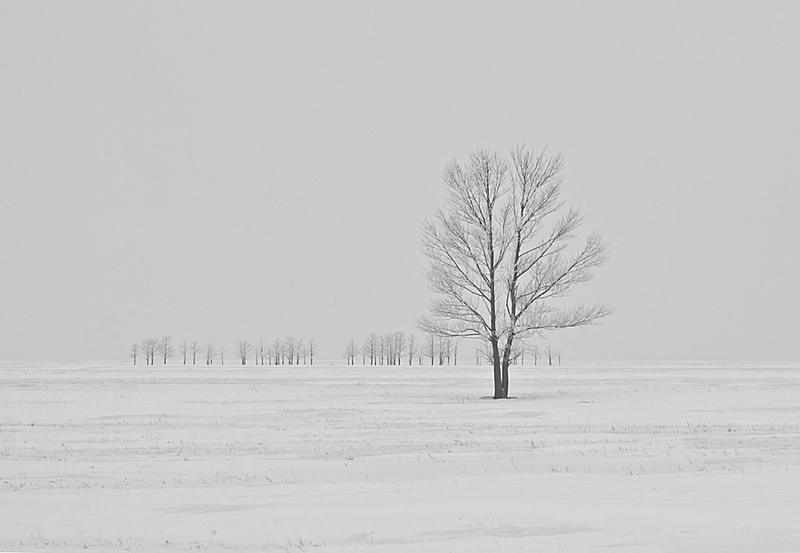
<point x="701" y="457"/>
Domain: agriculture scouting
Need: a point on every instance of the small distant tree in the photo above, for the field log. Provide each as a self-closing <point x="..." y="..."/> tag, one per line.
<point x="277" y="351"/>
<point x="148" y="349"/>
<point x="443" y="349"/>
<point x="430" y="346"/>
<point x="211" y="352"/>
<point x="195" y="350"/>
<point x="399" y="347"/>
<point x="221" y="355"/>
<point x="371" y="348"/>
<point x="165" y="349"/>
<point x="558" y="354"/>
<point x="517" y="353"/>
<point x="381" y="345"/>
<point x="243" y="349"/>
<point x="183" y="349"/>
<point x="300" y="351"/>
<point x="523" y="349"/>
<point x="411" y="347"/>
<point x="312" y="349"/>
<point x="455" y="351"/>
<point x="289" y="345"/>
<point x="549" y="354"/>
<point x="535" y="352"/>
<point x="350" y="351"/>
<point x="261" y="351"/>
<point x="134" y="351"/>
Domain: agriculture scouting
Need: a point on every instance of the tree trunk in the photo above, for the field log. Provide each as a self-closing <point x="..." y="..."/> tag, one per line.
<point x="498" y="378"/>
<point x="505" y="377"/>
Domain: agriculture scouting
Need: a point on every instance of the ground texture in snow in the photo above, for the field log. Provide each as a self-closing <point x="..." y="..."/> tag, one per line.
<point x="390" y="459"/>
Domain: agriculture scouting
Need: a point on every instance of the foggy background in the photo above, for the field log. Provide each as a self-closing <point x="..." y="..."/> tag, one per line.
<point x="257" y="170"/>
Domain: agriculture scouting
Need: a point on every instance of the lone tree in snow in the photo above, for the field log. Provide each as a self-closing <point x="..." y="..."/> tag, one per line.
<point x="498" y="259"/>
<point x="134" y="351"/>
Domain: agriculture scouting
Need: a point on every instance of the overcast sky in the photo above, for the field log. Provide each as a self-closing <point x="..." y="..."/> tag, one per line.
<point x="255" y="170"/>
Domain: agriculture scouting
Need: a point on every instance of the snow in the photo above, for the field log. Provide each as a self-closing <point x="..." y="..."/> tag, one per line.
<point x="623" y="457"/>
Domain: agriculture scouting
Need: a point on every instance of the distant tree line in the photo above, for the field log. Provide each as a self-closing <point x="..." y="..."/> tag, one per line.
<point x="285" y="351"/>
<point x="391" y="348"/>
<point x="398" y="348"/>
<point x="483" y="354"/>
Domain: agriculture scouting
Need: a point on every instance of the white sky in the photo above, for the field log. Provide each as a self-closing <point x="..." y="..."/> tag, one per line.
<point x="257" y="170"/>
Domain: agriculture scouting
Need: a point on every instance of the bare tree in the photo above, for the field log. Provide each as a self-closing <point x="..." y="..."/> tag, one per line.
<point x="164" y="348"/>
<point x="558" y="354"/>
<point x="277" y="351"/>
<point x="184" y="349"/>
<point x="495" y="265"/>
<point x="210" y="353"/>
<point x="430" y="346"/>
<point x="522" y="349"/>
<point x="399" y="346"/>
<point x="289" y="345"/>
<point x="382" y="346"/>
<point x="350" y="351"/>
<point x="243" y="349"/>
<point x="221" y="355"/>
<point x="455" y="350"/>
<point x="148" y="349"/>
<point x="549" y="352"/>
<point x="300" y="351"/>
<point x="371" y="348"/>
<point x="134" y="351"/>
<point x="195" y="350"/>
<point x="312" y="349"/>
<point x="517" y="352"/>
<point x="261" y="351"/>
<point x="411" y="347"/>
<point x="443" y="348"/>
<point x="535" y="352"/>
